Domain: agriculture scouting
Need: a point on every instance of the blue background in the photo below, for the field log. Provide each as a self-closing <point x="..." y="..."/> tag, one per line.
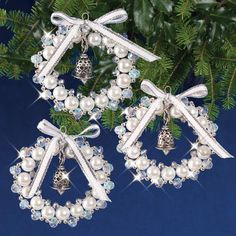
<point x="207" y="207"/>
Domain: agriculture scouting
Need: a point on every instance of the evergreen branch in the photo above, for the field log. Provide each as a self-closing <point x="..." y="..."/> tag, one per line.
<point x="231" y="83"/>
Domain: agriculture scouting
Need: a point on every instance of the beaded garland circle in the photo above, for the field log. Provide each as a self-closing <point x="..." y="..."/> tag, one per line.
<point x="159" y="173"/>
<point x="75" y="103"/>
<point x="53" y="213"/>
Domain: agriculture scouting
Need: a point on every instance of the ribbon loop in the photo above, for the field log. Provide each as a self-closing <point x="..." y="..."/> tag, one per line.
<point x="113" y="17"/>
<point x="47" y="128"/>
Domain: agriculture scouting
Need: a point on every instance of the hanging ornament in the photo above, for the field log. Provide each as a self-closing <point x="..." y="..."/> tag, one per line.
<point x="30" y="172"/>
<point x="94" y="34"/>
<point x="177" y="107"/>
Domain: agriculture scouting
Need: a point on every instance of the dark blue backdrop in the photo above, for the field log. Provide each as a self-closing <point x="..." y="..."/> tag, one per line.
<point x="204" y="208"/>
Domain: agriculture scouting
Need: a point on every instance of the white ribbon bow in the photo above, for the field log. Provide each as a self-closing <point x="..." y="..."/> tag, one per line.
<point x="113" y="17"/>
<point x="47" y="128"/>
<point x="198" y="91"/>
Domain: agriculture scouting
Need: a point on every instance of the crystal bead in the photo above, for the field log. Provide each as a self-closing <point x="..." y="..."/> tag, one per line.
<point x="131" y="112"/>
<point x="36" y="59"/>
<point x="127" y="93"/>
<point x="38" y="79"/>
<point x="134" y="74"/>
<point x="36" y="215"/>
<point x="101" y="204"/>
<point x="59" y="106"/>
<point x="72" y="222"/>
<point x="119" y="148"/>
<point x="115" y="72"/>
<point x="92" y="94"/>
<point x="71" y="92"/>
<point x="15" y="170"/>
<point x="109" y="185"/>
<point x="103" y="91"/>
<point x="159" y="183"/>
<point x="120" y="130"/>
<point x="113" y="105"/>
<point x="97" y="113"/>
<point x="193" y="176"/>
<point x="87" y="215"/>
<point x="15" y="188"/>
<point x="98" y="150"/>
<point x="207" y="164"/>
<point x="47" y="40"/>
<point x="62" y="29"/>
<point x="41" y="141"/>
<point x="24" y="204"/>
<point x="177" y="182"/>
<point x="214" y="127"/>
<point x="115" y="59"/>
<point x="78" y="113"/>
<point x="129" y="164"/>
<point x="108" y="168"/>
<point x="80" y="142"/>
<point x="185" y="101"/>
<point x="53" y="222"/>
<point x="145" y="101"/>
<point x="24" y="152"/>
<point x="46" y="94"/>
<point x="132" y="57"/>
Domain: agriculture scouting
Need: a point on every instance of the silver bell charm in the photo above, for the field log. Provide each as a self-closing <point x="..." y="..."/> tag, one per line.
<point x="165" y="141"/>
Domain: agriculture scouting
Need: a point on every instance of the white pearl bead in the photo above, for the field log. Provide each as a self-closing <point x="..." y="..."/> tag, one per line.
<point x="153" y="172"/>
<point x="60" y="93"/>
<point x="25" y="192"/>
<point x="133" y="152"/>
<point x="101" y="176"/>
<point x="124" y="65"/>
<point x="194" y="163"/>
<point x="204" y="152"/>
<point x="114" y="93"/>
<point x="193" y="110"/>
<point x="87" y="104"/>
<point x="71" y="102"/>
<point x="37" y="203"/>
<point x="108" y="42"/>
<point x="89" y="203"/>
<point x="123" y="80"/>
<point x="50" y="82"/>
<point x="126" y="136"/>
<point x="159" y="107"/>
<point x="94" y="39"/>
<point x="132" y="123"/>
<point x="48" y="212"/>
<point x="175" y="112"/>
<point x="96" y="162"/>
<point x="38" y="153"/>
<point x="48" y="51"/>
<point x="28" y="164"/>
<point x="87" y="151"/>
<point x="203" y="121"/>
<point x="77" y="37"/>
<point x="57" y="40"/>
<point x="182" y="171"/>
<point x="76" y="210"/>
<point x="101" y="100"/>
<point x="63" y="213"/>
<point x="141" y="112"/>
<point x="69" y="152"/>
<point x="168" y="173"/>
<point x="142" y="163"/>
<point x="202" y="140"/>
<point x="23" y="179"/>
<point x="120" y="51"/>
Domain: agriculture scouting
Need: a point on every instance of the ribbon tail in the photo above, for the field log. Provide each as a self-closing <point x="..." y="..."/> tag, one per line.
<point x="132" y="47"/>
<point x="43" y="167"/>
<point x="88" y="172"/>
<point x="141" y="126"/>
<point x="216" y="147"/>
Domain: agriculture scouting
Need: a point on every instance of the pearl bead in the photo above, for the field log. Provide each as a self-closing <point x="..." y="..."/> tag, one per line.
<point x="124" y="65"/>
<point x="63" y="213"/>
<point x="202" y="140"/>
<point x="101" y="176"/>
<point x="120" y="51"/>
<point x="141" y="112"/>
<point x="71" y="102"/>
<point x="25" y="192"/>
<point x="204" y="152"/>
<point x="108" y="42"/>
<point x="142" y="163"/>
<point x="89" y="203"/>
<point x="133" y="152"/>
<point x="57" y="40"/>
<point x="132" y="123"/>
<point x="38" y="153"/>
<point x="194" y="163"/>
<point x="87" y="151"/>
<point x="50" y="82"/>
<point x="193" y="110"/>
<point x="48" y="52"/>
<point x="159" y="107"/>
<point x="175" y="112"/>
<point x="203" y="121"/>
<point x="23" y="179"/>
<point x="101" y="101"/>
<point x="94" y="39"/>
<point x="37" y="203"/>
<point x="60" y="93"/>
<point x="96" y="162"/>
<point x="28" y="164"/>
<point x="153" y="172"/>
<point x="77" y="37"/>
<point x="48" y="212"/>
<point x="41" y="65"/>
<point x="87" y="104"/>
<point x="76" y="210"/>
<point x="168" y="173"/>
<point x="182" y="171"/>
<point x="123" y="80"/>
<point x="69" y="152"/>
<point x="126" y="136"/>
<point x="114" y="93"/>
